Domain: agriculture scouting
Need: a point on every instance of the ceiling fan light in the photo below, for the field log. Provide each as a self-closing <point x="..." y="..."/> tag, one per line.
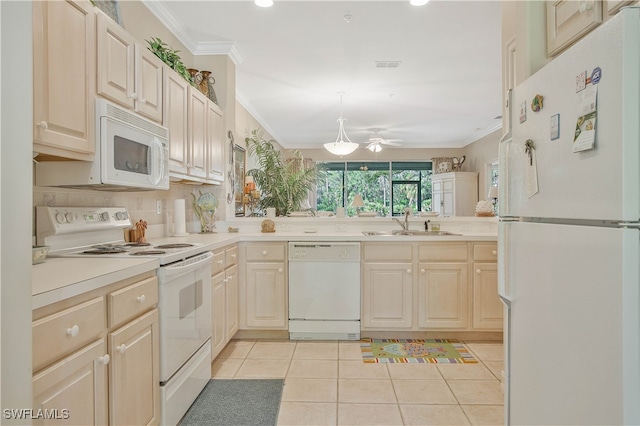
<point x="375" y="147"/>
<point x="418" y="2"/>
<point x="264" y="3"/>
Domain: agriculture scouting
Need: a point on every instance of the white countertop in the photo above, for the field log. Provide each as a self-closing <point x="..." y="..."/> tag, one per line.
<point x="60" y="278"/>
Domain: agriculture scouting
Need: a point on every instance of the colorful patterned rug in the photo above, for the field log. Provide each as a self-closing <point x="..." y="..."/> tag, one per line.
<point x="434" y="351"/>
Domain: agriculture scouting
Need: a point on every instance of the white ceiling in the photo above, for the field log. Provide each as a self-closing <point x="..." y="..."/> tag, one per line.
<point x="294" y="59"/>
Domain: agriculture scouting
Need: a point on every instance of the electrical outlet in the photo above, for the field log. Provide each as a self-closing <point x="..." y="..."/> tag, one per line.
<point x="158" y="206"/>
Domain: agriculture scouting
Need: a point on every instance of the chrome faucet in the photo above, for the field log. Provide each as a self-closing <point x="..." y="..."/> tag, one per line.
<point x="405" y="224"/>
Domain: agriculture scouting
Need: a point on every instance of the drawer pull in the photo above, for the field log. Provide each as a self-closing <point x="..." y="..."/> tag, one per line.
<point x="105" y="359"/>
<point x="264" y="252"/>
<point x="422" y="271"/>
<point x="225" y="280"/>
<point x="122" y="348"/>
<point x="494" y="253"/>
<point x="233" y="255"/>
<point x="43" y="125"/>
<point x="478" y="271"/>
<point x="141" y="299"/>
<point x="408" y="271"/>
<point x="220" y="262"/>
<point x="280" y="270"/>
<point x="229" y="278"/>
<point x="73" y="331"/>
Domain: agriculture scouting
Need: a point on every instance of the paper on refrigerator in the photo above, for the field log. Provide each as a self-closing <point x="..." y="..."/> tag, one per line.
<point x="585" y="134"/>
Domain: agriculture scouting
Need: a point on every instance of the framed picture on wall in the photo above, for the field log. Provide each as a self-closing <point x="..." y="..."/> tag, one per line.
<point x="239" y="158"/>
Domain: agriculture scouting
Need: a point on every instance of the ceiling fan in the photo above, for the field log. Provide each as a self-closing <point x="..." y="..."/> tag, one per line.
<point x="376" y="141"/>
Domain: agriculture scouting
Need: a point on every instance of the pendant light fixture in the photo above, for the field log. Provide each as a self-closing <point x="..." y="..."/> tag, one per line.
<point x="340" y="147"/>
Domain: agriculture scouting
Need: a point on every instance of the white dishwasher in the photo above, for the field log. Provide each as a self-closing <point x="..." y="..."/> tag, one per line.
<point x="324" y="291"/>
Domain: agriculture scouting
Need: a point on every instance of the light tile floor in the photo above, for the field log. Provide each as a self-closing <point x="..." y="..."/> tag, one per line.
<point x="326" y="383"/>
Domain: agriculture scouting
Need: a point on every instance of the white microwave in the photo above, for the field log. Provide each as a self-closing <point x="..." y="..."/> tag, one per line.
<point x="131" y="154"/>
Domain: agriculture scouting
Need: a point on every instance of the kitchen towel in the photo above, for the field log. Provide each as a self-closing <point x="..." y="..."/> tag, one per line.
<point x="179" y="218"/>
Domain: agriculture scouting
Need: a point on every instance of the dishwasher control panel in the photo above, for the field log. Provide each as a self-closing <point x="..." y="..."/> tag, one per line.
<point x="324" y="251"/>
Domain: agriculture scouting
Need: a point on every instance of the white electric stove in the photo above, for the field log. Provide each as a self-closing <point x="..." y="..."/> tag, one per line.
<point x="184" y="281"/>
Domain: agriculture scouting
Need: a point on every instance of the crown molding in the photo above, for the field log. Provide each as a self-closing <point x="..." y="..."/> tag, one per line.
<point x="219" y="48"/>
<point x="196" y="48"/>
<point x="482" y="133"/>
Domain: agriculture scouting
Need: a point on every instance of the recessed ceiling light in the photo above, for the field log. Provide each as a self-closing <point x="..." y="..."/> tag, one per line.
<point x="418" y="2"/>
<point x="264" y="3"/>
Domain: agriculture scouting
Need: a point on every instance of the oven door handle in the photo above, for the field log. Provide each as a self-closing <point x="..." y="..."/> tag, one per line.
<point x="187" y="265"/>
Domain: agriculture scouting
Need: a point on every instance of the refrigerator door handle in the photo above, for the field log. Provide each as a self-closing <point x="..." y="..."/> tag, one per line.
<point x="505" y="300"/>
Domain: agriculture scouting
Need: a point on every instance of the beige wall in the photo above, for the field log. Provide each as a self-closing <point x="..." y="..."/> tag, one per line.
<point x="479" y="156"/>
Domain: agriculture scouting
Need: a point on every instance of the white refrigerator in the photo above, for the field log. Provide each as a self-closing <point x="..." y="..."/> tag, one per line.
<point x="569" y="239"/>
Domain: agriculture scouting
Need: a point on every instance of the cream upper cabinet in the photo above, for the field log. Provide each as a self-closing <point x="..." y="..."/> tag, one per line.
<point x="64" y="69"/>
<point x="263" y="286"/>
<point x="614" y="6"/>
<point x="569" y="20"/>
<point x="454" y="193"/>
<point x="176" y="95"/>
<point x="116" y="57"/>
<point x="215" y="143"/>
<point x="197" y="133"/>
<point x="128" y="73"/>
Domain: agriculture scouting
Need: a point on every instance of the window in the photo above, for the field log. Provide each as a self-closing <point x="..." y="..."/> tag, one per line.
<point x="386" y="187"/>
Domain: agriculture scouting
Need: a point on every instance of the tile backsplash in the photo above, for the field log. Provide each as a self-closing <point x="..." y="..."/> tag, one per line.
<point x="141" y="205"/>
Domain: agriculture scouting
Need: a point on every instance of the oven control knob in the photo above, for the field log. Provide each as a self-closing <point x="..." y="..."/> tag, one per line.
<point x="69" y="217"/>
<point x="104" y="216"/>
<point x="120" y="215"/>
<point x="60" y="218"/>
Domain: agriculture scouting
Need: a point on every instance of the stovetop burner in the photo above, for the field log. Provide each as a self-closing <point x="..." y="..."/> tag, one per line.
<point x="146" y="252"/>
<point x="105" y="250"/>
<point x="134" y="244"/>
<point x="174" y="246"/>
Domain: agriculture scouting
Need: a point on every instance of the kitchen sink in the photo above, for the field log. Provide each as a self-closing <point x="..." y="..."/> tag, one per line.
<point x="409" y="233"/>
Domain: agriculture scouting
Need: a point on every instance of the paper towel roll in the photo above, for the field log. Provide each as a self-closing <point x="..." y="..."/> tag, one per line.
<point x="179" y="219"/>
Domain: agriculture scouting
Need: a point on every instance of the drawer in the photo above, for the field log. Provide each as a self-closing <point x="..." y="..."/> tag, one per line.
<point x="387" y="252"/>
<point x="485" y="252"/>
<point x="217" y="265"/>
<point x="265" y="252"/>
<point x="231" y="256"/>
<point x="61" y="333"/>
<point x="131" y="301"/>
<point x="443" y="252"/>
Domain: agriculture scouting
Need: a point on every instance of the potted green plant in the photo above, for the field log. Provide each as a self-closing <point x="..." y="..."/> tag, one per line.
<point x="169" y="57"/>
<point x="284" y="183"/>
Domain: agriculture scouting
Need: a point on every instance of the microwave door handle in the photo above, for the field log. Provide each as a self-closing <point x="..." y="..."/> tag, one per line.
<point x="157" y="161"/>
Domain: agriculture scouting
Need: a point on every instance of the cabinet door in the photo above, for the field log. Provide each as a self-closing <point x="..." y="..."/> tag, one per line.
<point x="569" y="20"/>
<point x="197" y="130"/>
<point x="387" y="296"/>
<point x="448" y="203"/>
<point x="115" y="62"/>
<point x="266" y="295"/>
<point x="442" y="295"/>
<point x="75" y="388"/>
<point x="148" y="83"/>
<point x="613" y="6"/>
<point x="134" y="379"/>
<point x="174" y="112"/>
<point x="232" y="301"/>
<point x="218" y="314"/>
<point x="215" y="143"/>
<point x="436" y="198"/>
<point x="64" y="66"/>
<point x="487" y="308"/>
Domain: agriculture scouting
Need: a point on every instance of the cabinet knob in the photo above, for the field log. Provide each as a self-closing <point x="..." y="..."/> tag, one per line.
<point x="142" y="100"/>
<point x="224" y="280"/>
<point x="233" y="256"/>
<point x="105" y="359"/>
<point x="280" y="270"/>
<point x="141" y="298"/>
<point x="122" y="348"/>
<point x="408" y="271"/>
<point x="133" y="95"/>
<point x="422" y="271"/>
<point x="495" y="253"/>
<point x="478" y="271"/>
<point x="264" y="252"/>
<point x="43" y="125"/>
<point x="230" y="277"/>
<point x="220" y="262"/>
<point x="73" y="331"/>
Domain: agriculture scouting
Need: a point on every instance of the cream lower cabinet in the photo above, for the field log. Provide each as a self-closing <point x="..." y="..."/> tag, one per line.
<point x="64" y="68"/>
<point x="95" y="356"/>
<point x="487" y="307"/>
<point x="442" y="295"/>
<point x="263" y="289"/>
<point x="224" y="294"/>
